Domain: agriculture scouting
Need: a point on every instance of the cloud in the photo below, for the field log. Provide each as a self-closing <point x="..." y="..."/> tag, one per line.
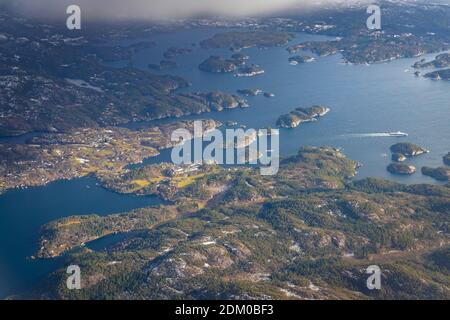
<point x="161" y="9"/>
<point x="167" y="9"/>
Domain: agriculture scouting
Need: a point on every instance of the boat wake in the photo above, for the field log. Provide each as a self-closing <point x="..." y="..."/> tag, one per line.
<point x="369" y="135"/>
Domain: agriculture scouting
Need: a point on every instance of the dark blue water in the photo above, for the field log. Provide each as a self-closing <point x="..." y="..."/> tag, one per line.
<point x="23" y="212"/>
<point x="365" y="101"/>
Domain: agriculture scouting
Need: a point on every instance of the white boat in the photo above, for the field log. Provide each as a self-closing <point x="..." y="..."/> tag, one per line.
<point x="398" y="134"/>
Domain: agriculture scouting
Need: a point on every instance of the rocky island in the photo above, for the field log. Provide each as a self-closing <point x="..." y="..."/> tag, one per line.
<point x="217" y="101"/>
<point x="250" y="71"/>
<point x="301" y="59"/>
<point x="250" y="92"/>
<point x="401" y="169"/>
<point x="440" y="174"/>
<point x="238" y="64"/>
<point x="300" y="115"/>
<point x="217" y="64"/>
<point x="163" y="65"/>
<point x="408" y="149"/>
<point x="400" y="152"/>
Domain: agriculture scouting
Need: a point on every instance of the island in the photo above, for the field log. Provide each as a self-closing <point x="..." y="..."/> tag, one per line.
<point x="163" y="65"/>
<point x="217" y="64"/>
<point x="408" y="149"/>
<point x="250" y="92"/>
<point x="301" y="59"/>
<point x="401" y="169"/>
<point x="250" y="71"/>
<point x="218" y="101"/>
<point x="440" y="174"/>
<point x="300" y="115"/>
<point x="238" y="64"/>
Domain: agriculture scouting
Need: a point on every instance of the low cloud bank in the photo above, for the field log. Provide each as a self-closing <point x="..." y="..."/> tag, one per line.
<point x="163" y="9"/>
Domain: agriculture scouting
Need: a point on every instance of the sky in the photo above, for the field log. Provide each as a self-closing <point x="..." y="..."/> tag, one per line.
<point x="168" y="9"/>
